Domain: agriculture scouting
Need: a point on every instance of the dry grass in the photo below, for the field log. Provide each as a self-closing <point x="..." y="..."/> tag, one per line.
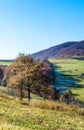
<point x="9" y="126"/>
<point x="57" y="106"/>
<point x="39" y="115"/>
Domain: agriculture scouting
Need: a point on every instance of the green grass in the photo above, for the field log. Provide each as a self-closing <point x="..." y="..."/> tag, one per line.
<point x="39" y="115"/>
<point x="5" y="63"/>
<point x="71" y="69"/>
<point x="45" y="115"/>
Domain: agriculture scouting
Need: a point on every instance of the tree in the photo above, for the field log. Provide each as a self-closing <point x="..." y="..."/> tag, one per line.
<point x="28" y="74"/>
<point x="2" y="71"/>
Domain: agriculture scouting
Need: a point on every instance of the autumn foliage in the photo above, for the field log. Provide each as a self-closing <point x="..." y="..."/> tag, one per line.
<point x="30" y="75"/>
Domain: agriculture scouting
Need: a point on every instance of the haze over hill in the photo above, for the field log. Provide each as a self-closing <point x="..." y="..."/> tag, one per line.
<point x="71" y="48"/>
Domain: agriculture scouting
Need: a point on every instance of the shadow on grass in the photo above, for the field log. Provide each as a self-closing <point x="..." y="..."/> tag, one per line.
<point x="74" y="94"/>
<point x="64" y="81"/>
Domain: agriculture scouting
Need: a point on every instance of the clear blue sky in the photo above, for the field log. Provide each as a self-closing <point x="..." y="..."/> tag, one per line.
<point x="28" y="26"/>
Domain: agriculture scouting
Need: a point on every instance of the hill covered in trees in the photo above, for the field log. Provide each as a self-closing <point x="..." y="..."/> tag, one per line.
<point x="62" y="50"/>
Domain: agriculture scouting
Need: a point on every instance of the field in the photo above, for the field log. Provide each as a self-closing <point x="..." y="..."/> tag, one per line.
<point x="39" y="115"/>
<point x="70" y="74"/>
<point x="42" y="114"/>
<point x="2" y="62"/>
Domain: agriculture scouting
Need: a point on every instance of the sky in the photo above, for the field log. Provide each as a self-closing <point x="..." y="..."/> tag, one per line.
<point x="28" y="26"/>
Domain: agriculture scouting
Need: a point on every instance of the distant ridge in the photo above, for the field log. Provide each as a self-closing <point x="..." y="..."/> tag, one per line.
<point x="71" y="48"/>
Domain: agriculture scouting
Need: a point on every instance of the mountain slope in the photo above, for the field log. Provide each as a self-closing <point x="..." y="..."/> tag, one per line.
<point x="62" y="50"/>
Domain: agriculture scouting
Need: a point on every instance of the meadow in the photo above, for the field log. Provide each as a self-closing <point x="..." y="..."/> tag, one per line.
<point x="39" y="115"/>
<point x="4" y="62"/>
<point x="42" y="114"/>
<point x="70" y="75"/>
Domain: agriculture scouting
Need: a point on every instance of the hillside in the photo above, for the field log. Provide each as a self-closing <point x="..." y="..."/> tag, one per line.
<point x="70" y="75"/>
<point x="62" y="50"/>
<point x="39" y="115"/>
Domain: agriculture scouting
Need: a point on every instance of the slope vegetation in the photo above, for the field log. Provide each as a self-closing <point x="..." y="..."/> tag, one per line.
<point x="70" y="75"/>
<point x="62" y="50"/>
<point x="39" y="115"/>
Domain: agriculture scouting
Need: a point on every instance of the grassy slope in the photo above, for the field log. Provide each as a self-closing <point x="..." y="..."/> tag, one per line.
<point x="39" y="115"/>
<point x="71" y="70"/>
<point x="44" y="115"/>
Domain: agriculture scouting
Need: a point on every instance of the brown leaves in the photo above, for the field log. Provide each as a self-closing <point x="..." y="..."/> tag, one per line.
<point x="26" y="72"/>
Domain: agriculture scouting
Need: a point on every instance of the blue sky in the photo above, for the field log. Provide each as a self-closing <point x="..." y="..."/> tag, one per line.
<point x="28" y="26"/>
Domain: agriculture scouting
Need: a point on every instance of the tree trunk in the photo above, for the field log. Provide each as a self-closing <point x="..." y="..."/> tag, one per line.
<point x="21" y="95"/>
<point x="28" y="93"/>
